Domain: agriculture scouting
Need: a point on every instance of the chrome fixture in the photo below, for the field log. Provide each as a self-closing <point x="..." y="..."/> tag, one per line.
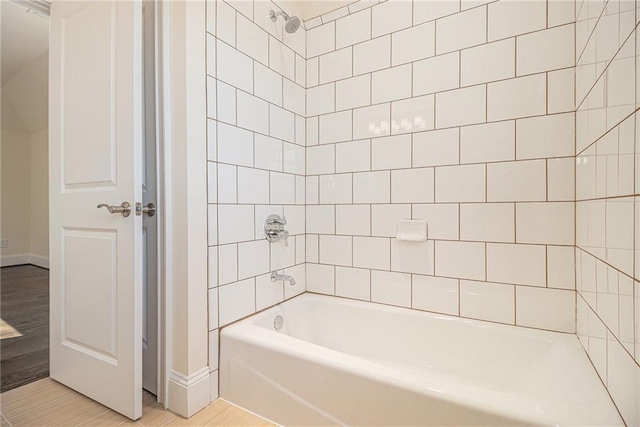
<point x="275" y="277"/>
<point x="291" y="23"/>
<point x="274" y="229"/>
<point x="278" y="321"/>
<point x="124" y="208"/>
<point x="149" y="209"/>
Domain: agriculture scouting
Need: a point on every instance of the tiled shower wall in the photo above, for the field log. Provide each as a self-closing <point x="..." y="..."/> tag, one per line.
<point x="256" y="164"/>
<point x="607" y="187"/>
<point x="459" y="113"/>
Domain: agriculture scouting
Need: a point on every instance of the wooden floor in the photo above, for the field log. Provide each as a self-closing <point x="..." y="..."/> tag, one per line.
<point x="48" y="403"/>
<point x="24" y="329"/>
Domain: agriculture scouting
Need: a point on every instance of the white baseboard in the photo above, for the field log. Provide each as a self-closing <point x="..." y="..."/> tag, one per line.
<point x="10" y="260"/>
<point x="189" y="394"/>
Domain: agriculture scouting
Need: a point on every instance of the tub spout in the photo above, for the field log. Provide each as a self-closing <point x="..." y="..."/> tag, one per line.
<point x="275" y="277"/>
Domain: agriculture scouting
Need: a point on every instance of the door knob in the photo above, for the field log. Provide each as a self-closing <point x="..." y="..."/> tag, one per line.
<point x="150" y="209"/>
<point x="124" y="208"/>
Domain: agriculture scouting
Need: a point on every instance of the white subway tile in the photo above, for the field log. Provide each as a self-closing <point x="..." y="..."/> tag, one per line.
<point x="545" y="136"/>
<point x="282" y="188"/>
<point x="235" y="223"/>
<point x="312" y="131"/>
<point x="560" y="12"/>
<point x="519" y="264"/>
<point x="312" y="248"/>
<point x="235" y="145"/>
<point x="227" y="184"/>
<point x="442" y="220"/>
<point x="281" y="123"/>
<point x="320" y="159"/>
<point x="212" y="225"/>
<point x="268" y="293"/>
<point x="253" y="186"/>
<point x="228" y="263"/>
<point x="371" y="252"/>
<point x="212" y="267"/>
<point x="320" y="99"/>
<point x="461" y="30"/>
<point x="514" y="98"/>
<point x="353" y="29"/>
<point x="294" y="159"/>
<point x="321" y="279"/>
<point x="391" y="84"/>
<point x="244" y="7"/>
<point x="561" y="267"/>
<point x="509" y="18"/>
<point x="321" y="40"/>
<point x="234" y="67"/>
<point x="252" y="40"/>
<point x="321" y="220"/>
<point x="353" y="156"/>
<point x="413" y="44"/>
<point x="354" y="92"/>
<point x="226" y="100"/>
<point x="465" y="260"/>
<point x="436" y="294"/>
<point x="211" y="17"/>
<point x="412" y="185"/>
<point x="253" y="258"/>
<point x="372" y="187"/>
<point x="390" y="16"/>
<point x="522" y="181"/>
<point x="301" y="71"/>
<point x="371" y="121"/>
<point x="372" y="55"/>
<point x="461" y="107"/>
<point x="212" y="140"/>
<point x="335" y="127"/>
<point x="551" y="309"/>
<point x="424" y="11"/>
<point x="353" y="220"/>
<point x="435" y="148"/>
<point x="212" y="296"/>
<point x="312" y="190"/>
<point x="268" y="84"/>
<point x="211" y="55"/>
<point x="465" y="183"/>
<point x="487" y="301"/>
<point x="336" y="65"/>
<point x="436" y="74"/>
<point x="295" y="219"/>
<point x="353" y="283"/>
<point x="268" y="153"/>
<point x="545" y="223"/>
<point x="237" y="300"/>
<point x="488" y="142"/>
<point x="487" y="222"/>
<point x="253" y="113"/>
<point x="335" y="250"/>
<point x="294" y="97"/>
<point x="361" y="4"/>
<point x="299" y="273"/>
<point x="412" y="257"/>
<point x="212" y="101"/>
<point x="385" y="218"/>
<point x="488" y="62"/>
<point x="392" y="152"/>
<point x="391" y="288"/>
<point x="546" y="50"/>
<point x="313" y="71"/>
<point x="226" y="23"/>
<point x="335" y="189"/>
<point x="301" y="128"/>
<point x="561" y="90"/>
<point x="413" y="114"/>
<point x="212" y="182"/>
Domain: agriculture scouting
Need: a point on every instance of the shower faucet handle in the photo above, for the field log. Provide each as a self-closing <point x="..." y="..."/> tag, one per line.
<point x="276" y="220"/>
<point x="274" y="229"/>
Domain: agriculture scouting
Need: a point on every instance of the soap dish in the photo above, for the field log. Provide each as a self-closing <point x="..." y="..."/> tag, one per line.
<point x="412" y="230"/>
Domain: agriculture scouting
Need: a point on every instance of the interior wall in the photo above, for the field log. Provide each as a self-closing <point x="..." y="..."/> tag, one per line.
<point x="255" y="160"/>
<point x="607" y="188"/>
<point x="460" y="114"/>
<point x="16" y="200"/>
<point x="25" y="196"/>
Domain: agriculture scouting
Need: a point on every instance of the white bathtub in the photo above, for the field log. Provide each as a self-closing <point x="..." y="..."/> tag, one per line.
<point x="344" y="362"/>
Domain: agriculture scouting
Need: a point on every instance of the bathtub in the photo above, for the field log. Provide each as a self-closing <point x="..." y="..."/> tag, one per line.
<point x="335" y="361"/>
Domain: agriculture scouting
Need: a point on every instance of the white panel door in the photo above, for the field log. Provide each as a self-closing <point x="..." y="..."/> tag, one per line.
<point x="95" y="120"/>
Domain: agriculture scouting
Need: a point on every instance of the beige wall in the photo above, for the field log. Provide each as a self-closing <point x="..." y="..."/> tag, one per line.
<point x="16" y="202"/>
<point x="39" y="194"/>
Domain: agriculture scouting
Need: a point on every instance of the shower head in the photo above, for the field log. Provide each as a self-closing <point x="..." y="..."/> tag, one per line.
<point x="292" y="23"/>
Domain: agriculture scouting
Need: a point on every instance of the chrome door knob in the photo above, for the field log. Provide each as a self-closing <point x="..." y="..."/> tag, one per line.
<point x="124" y="208"/>
<point x="149" y="209"/>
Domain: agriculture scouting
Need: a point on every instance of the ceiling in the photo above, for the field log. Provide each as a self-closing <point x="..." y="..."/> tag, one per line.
<point x="25" y="37"/>
<point x="307" y="9"/>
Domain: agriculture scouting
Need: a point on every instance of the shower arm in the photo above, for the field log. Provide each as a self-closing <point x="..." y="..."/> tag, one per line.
<point x="274" y="15"/>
